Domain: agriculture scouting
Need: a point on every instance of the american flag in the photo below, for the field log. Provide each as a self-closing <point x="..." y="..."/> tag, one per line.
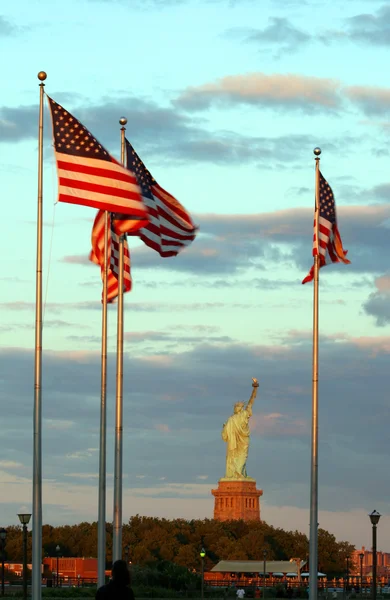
<point x="329" y="246"/>
<point x="170" y="227"/>
<point x="97" y="256"/>
<point x="88" y="175"/>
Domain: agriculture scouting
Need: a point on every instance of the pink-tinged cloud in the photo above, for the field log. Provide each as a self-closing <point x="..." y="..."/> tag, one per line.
<point x="298" y="92"/>
<point x="383" y="283"/>
<point x="371" y="100"/>
<point x="377" y="344"/>
<point x="279" y="424"/>
<point x="163" y="427"/>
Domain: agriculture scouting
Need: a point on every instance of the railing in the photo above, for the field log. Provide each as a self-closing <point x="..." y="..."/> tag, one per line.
<point x="272" y="582"/>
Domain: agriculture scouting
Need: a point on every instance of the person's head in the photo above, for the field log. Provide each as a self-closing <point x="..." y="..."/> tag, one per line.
<point x="120" y="572"/>
<point x="238" y="407"/>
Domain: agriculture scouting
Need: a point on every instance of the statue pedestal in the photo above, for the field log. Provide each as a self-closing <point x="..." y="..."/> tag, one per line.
<point x="237" y="499"/>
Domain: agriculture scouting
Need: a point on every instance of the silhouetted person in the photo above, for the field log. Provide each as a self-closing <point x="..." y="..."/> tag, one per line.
<point x="118" y="587"/>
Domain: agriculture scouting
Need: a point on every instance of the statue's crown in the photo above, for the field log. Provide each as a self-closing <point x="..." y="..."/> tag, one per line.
<point x="239" y="405"/>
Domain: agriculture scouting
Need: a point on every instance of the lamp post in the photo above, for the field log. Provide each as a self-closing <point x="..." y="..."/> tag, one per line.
<point x="127" y="549"/>
<point x="374" y="518"/>
<point x="298" y="563"/>
<point x="264" y="569"/>
<point x="58" y="550"/>
<point x="3" y="535"/>
<point x="347" y="574"/>
<point x="202" y="554"/>
<point x="361" y="557"/>
<point x="24" y="518"/>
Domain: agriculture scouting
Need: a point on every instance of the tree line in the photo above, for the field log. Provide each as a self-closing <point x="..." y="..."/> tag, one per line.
<point x="148" y="541"/>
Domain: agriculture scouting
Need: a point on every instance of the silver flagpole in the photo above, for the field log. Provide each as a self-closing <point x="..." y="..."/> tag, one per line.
<point x="37" y="450"/>
<point x="313" y="542"/>
<point x="103" y="423"/>
<point x="117" y="526"/>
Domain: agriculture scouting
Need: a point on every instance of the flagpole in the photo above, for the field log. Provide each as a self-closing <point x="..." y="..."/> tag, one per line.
<point x="117" y="527"/>
<point x="37" y="449"/>
<point x="313" y="543"/>
<point x="103" y="423"/>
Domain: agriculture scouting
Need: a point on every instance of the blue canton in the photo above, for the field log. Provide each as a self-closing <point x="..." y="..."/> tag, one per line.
<point x="71" y="137"/>
<point x="144" y="178"/>
<point x="327" y="206"/>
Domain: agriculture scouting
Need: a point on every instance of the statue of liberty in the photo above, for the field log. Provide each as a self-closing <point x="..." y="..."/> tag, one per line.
<point x="236" y="434"/>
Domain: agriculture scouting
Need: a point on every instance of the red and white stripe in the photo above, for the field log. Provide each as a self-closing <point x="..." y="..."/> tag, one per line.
<point x="97" y="256"/>
<point x="113" y="273"/>
<point x="100" y="184"/>
<point x="169" y="228"/>
<point x="324" y="231"/>
<point x="330" y="246"/>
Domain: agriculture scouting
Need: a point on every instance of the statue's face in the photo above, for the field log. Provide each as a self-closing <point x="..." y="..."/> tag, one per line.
<point x="238" y="407"/>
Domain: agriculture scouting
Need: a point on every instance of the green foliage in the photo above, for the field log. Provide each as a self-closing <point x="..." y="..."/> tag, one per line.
<point x="167" y="551"/>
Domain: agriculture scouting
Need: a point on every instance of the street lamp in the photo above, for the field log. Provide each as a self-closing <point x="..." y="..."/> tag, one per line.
<point x="374" y="518"/>
<point x="202" y="554"/>
<point x="3" y="535"/>
<point x="24" y="518"/>
<point x="264" y="569"/>
<point x="347" y="578"/>
<point x="361" y="556"/>
<point x="58" y="550"/>
<point x="127" y="549"/>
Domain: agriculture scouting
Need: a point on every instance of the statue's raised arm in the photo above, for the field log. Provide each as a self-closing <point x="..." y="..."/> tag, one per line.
<point x="255" y="385"/>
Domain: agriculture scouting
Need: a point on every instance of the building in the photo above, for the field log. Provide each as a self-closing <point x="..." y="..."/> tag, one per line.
<point x="382" y="561"/>
<point x="251" y="572"/>
<point x="71" y="568"/>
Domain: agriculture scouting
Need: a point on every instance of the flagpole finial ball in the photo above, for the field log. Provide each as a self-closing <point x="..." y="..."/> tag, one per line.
<point x="317" y="151"/>
<point x="123" y="121"/>
<point x="42" y="75"/>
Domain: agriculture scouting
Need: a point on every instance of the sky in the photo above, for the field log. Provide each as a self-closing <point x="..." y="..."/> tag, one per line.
<point x="225" y="101"/>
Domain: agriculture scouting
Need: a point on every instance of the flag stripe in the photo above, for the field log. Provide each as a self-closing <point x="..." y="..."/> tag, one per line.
<point x="96" y="168"/>
<point x="172" y="205"/>
<point x="102" y="190"/>
<point x="88" y="174"/>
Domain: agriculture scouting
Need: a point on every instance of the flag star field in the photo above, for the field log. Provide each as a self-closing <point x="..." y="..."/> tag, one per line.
<point x="225" y="101"/>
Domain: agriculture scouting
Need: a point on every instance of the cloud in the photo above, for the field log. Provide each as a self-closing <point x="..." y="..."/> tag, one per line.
<point x="373" y="29"/>
<point x="10" y="464"/>
<point x="378" y="303"/>
<point x="163" y="133"/>
<point x="280" y="32"/>
<point x="141" y="337"/>
<point x="166" y="133"/>
<point x="163" y="427"/>
<point x="373" y="101"/>
<point x="293" y="92"/>
<point x="18" y="123"/>
<point x="6" y="28"/>
<point x="280" y="237"/>
<point x="78" y="260"/>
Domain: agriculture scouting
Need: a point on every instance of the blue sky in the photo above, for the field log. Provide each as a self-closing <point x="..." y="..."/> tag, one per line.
<point x="225" y="101"/>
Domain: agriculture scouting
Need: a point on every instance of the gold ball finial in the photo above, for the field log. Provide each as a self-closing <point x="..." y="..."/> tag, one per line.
<point x="123" y="121"/>
<point x="317" y="151"/>
<point x="42" y="75"/>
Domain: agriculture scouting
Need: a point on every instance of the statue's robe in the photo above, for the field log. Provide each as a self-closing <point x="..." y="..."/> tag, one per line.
<point x="235" y="433"/>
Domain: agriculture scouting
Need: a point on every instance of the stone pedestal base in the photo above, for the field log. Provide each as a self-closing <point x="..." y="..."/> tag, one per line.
<point x="235" y="499"/>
